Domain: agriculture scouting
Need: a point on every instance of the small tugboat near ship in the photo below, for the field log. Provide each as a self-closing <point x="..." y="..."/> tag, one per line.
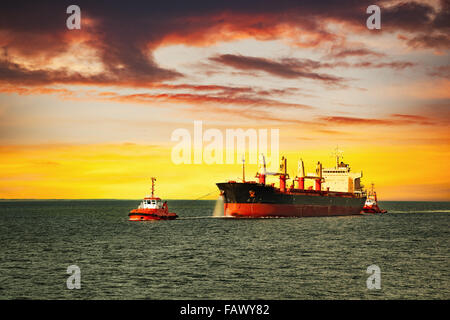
<point x="371" y="205"/>
<point x="152" y="208"/>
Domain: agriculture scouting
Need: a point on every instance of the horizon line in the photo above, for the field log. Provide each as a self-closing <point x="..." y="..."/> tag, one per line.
<point x="115" y="199"/>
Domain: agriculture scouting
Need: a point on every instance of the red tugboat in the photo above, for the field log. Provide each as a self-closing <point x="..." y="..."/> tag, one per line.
<point x="371" y="205"/>
<point x="152" y="208"/>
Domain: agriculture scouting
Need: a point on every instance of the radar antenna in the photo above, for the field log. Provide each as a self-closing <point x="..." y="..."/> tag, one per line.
<point x="338" y="154"/>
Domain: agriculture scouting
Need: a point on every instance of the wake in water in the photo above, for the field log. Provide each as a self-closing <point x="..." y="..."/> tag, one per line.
<point x="199" y="217"/>
<point x="419" y="211"/>
<point x="218" y="209"/>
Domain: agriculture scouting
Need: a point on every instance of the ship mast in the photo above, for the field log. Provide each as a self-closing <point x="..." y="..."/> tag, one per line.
<point x="153" y="186"/>
<point x="338" y="154"/>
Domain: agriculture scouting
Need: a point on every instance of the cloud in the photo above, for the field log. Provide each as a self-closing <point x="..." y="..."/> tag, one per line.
<point x="205" y="99"/>
<point x="413" y="118"/>
<point x="427" y="26"/>
<point x="198" y="95"/>
<point x="441" y="72"/>
<point x="124" y="35"/>
<point x="349" y="52"/>
<point x="395" y="119"/>
<point x="397" y="65"/>
<point x="257" y="117"/>
<point x="291" y="68"/>
<point x="287" y="68"/>
<point x="435" y="40"/>
<point x="410" y="16"/>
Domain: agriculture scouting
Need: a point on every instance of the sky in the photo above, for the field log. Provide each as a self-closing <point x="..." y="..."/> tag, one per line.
<point x="89" y="113"/>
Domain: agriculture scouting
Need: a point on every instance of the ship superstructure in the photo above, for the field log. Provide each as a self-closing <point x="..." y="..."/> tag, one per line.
<point x="340" y="178"/>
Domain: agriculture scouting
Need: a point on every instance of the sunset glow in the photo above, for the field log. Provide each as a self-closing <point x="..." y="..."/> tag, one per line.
<point x="89" y="113"/>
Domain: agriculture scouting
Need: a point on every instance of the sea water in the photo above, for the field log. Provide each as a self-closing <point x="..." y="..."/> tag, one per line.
<point x="199" y="256"/>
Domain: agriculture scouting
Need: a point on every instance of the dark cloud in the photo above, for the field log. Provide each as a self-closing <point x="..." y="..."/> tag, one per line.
<point x="437" y="41"/>
<point x="344" y="53"/>
<point x="410" y="16"/>
<point x="428" y="28"/>
<point x="192" y="94"/>
<point x="291" y="68"/>
<point x="206" y="99"/>
<point x="125" y="33"/>
<point x="442" y="18"/>
<point x="441" y="72"/>
<point x="397" y="65"/>
<point x="287" y="68"/>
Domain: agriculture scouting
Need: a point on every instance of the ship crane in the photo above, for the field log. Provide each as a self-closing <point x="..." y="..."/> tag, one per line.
<point x="284" y="176"/>
<point x="282" y="173"/>
<point x="301" y="176"/>
<point x="261" y="175"/>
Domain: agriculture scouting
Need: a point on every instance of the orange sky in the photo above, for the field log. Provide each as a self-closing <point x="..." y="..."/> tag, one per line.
<point x="123" y="171"/>
<point x="89" y="113"/>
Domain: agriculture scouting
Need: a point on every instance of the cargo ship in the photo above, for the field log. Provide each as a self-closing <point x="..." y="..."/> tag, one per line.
<point x="152" y="208"/>
<point x="335" y="192"/>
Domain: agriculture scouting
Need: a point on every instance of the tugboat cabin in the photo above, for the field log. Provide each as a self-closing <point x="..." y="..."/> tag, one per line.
<point x="151" y="203"/>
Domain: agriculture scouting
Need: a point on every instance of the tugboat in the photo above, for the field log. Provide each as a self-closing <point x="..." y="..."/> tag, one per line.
<point x="371" y="205"/>
<point x="152" y="208"/>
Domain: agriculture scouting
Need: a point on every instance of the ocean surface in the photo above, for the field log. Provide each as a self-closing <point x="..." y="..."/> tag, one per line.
<point x="203" y="257"/>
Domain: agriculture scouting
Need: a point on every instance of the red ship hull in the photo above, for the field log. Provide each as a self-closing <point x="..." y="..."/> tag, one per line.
<point x="253" y="200"/>
<point x="261" y="210"/>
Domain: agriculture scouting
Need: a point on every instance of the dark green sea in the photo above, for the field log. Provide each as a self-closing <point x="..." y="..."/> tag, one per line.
<point x="201" y="257"/>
